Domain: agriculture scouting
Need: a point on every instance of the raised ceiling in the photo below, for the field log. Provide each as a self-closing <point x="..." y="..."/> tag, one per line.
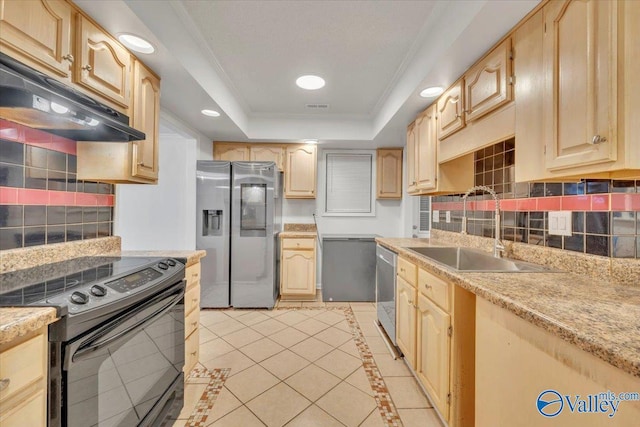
<point x="242" y="58"/>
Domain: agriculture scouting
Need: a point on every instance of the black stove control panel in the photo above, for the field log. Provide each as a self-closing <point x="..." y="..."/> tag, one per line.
<point x="135" y="280"/>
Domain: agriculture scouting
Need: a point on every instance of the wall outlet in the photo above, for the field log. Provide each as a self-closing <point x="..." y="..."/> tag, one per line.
<point x="435" y="215"/>
<point x="560" y="223"/>
<point x="448" y="217"/>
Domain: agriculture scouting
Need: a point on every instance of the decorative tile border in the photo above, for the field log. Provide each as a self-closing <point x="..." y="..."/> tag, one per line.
<point x="217" y="377"/>
<point x="387" y="409"/>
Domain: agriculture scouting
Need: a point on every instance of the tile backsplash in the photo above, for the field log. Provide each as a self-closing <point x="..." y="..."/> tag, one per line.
<point x="41" y="199"/>
<point x="605" y="213"/>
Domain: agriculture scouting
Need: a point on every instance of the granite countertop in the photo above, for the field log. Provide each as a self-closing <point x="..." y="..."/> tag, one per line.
<point x="596" y="315"/>
<point x="19" y="321"/>
<point x="293" y="234"/>
<point x="192" y="257"/>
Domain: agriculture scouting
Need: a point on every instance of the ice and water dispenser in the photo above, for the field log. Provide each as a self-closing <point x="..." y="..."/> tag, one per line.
<point x="212" y="222"/>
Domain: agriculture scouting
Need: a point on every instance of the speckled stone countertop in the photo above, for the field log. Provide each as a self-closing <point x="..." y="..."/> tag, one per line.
<point x="595" y="315"/>
<point x="300" y="227"/>
<point x="19" y="321"/>
<point x="192" y="257"/>
<point x="293" y="234"/>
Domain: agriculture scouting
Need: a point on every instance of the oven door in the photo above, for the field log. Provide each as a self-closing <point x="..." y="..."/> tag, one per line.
<point x="127" y="371"/>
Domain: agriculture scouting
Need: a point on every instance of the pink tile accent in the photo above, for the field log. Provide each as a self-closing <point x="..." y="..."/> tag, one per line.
<point x="36" y="137"/>
<point x="62" y="198"/>
<point x="8" y="196"/>
<point x="549" y="204"/>
<point x="625" y="202"/>
<point x="600" y="202"/>
<point x="63" y="145"/>
<point x="86" y="199"/>
<point x="526" y="204"/>
<point x="104" y="199"/>
<point x="28" y="196"/>
<point x="576" y="203"/>
<point x="508" y="204"/>
<point x="11" y="131"/>
<point x="439" y="206"/>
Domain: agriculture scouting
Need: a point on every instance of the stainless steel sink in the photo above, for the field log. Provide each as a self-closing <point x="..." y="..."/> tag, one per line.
<point x="473" y="260"/>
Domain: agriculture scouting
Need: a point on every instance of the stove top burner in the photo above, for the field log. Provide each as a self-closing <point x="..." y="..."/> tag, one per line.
<point x="44" y="284"/>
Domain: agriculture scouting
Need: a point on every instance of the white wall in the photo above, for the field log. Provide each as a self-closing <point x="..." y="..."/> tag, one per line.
<point x="162" y="216"/>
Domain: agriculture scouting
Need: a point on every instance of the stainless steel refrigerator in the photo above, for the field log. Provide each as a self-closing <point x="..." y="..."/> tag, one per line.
<point x="239" y="208"/>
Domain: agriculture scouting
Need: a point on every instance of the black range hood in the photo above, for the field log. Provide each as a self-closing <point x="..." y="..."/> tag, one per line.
<point x="36" y="100"/>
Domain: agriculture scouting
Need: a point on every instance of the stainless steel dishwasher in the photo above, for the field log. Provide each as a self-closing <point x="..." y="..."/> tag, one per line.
<point x="386" y="290"/>
<point x="348" y="267"/>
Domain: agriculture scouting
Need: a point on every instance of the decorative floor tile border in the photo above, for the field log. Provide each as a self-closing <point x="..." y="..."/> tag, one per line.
<point x="387" y="409"/>
<point x="217" y="377"/>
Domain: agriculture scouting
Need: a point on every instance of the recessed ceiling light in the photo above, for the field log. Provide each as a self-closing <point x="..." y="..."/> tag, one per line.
<point x="210" y="113"/>
<point x="136" y="43"/>
<point x="310" y="141"/>
<point x="310" y="82"/>
<point x="430" y="92"/>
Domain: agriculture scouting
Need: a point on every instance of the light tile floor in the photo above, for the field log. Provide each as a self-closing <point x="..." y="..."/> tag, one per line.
<point x="299" y="365"/>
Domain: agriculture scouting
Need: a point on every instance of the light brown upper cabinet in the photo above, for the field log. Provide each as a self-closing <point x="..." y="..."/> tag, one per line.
<point x="146" y="118"/>
<point x="267" y="153"/>
<point x="38" y="33"/>
<point x="426" y="141"/>
<point x="389" y="173"/>
<point x="300" y="180"/>
<point x="231" y="152"/>
<point x="580" y="57"/>
<point x="451" y="110"/>
<point x="411" y="158"/>
<point x="488" y="83"/>
<point x="102" y="65"/>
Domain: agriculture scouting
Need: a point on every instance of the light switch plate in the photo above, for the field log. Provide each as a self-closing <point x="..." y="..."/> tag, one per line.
<point x="448" y="217"/>
<point x="436" y="216"/>
<point x="560" y="223"/>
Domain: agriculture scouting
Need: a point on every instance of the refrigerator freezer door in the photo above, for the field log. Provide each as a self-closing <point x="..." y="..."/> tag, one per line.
<point x="213" y="180"/>
<point x="252" y="235"/>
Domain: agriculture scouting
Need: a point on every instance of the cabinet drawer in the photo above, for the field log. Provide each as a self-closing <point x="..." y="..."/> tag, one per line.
<point x="32" y="412"/>
<point x="22" y="365"/>
<point x="192" y="275"/>
<point x="407" y="270"/>
<point x="435" y="289"/>
<point x="191" y="322"/>
<point x="192" y="299"/>
<point x="191" y="351"/>
<point x="303" y="243"/>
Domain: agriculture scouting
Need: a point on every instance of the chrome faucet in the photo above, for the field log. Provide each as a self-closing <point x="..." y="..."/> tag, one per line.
<point x="498" y="247"/>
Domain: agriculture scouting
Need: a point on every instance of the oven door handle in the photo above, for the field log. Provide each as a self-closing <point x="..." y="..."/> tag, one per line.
<point x="93" y="345"/>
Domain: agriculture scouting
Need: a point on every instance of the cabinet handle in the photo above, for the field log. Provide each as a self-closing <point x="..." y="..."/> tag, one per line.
<point x="4" y="383"/>
<point x="87" y="68"/>
<point x="597" y="139"/>
<point x="195" y="300"/>
<point x="143" y="165"/>
<point x="427" y="286"/>
<point x="194" y="323"/>
<point x="193" y="353"/>
<point x="68" y="57"/>
<point x="402" y="269"/>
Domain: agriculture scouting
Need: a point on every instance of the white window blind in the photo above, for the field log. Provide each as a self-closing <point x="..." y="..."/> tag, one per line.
<point x="425" y="213"/>
<point x="349" y="183"/>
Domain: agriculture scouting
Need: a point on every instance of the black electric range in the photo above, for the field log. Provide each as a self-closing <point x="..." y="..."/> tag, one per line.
<point x="117" y="353"/>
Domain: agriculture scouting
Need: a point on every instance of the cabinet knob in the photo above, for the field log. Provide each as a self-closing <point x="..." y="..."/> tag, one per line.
<point x="143" y="165"/>
<point x="87" y="68"/>
<point x="68" y="57"/>
<point x="597" y="139"/>
<point x="426" y="286"/>
<point x="193" y="353"/>
<point x="195" y="300"/>
<point x="194" y="323"/>
<point x="4" y="383"/>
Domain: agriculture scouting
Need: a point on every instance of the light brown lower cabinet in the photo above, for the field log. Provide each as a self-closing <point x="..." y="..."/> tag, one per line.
<point x="23" y="381"/>
<point x="435" y="330"/>
<point x="192" y="317"/>
<point x="298" y="268"/>
<point x="517" y="361"/>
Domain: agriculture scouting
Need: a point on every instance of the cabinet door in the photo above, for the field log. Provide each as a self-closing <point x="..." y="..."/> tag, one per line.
<point x="580" y="60"/>
<point x="103" y="65"/>
<point x="450" y="110"/>
<point x="406" y="320"/>
<point x="389" y="173"/>
<point x="300" y="179"/>
<point x="488" y="83"/>
<point x="146" y="114"/>
<point x="298" y="272"/>
<point x="267" y="153"/>
<point x="231" y="152"/>
<point x="433" y="352"/>
<point x="38" y="34"/>
<point x="411" y="158"/>
<point x="426" y="166"/>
